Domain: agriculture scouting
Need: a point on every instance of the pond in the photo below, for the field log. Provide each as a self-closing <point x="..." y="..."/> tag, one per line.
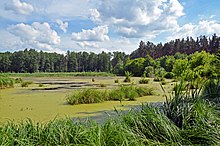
<point x="41" y="105"/>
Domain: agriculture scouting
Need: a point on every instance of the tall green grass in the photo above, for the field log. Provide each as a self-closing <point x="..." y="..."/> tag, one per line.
<point x="196" y="116"/>
<point x="6" y="82"/>
<point x="87" y="96"/>
<point x="211" y="90"/>
<point x="67" y="132"/>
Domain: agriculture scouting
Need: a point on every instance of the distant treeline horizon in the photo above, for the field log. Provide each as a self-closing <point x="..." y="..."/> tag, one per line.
<point x="31" y="60"/>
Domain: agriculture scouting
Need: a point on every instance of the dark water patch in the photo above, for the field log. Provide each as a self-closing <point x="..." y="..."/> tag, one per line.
<point x="62" y="83"/>
<point x="102" y="116"/>
<point x="76" y="86"/>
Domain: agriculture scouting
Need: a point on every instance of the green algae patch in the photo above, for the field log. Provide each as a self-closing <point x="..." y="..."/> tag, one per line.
<point x="20" y="103"/>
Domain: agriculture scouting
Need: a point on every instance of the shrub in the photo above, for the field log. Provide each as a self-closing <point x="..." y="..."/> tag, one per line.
<point x="144" y="81"/>
<point x="94" y="96"/>
<point x="116" y="94"/>
<point x="158" y="79"/>
<point x="116" y="81"/>
<point x="169" y="75"/>
<point x="86" y="96"/>
<point x="18" y="80"/>
<point x="102" y="85"/>
<point x="163" y="82"/>
<point x="128" y="76"/>
<point x="26" y="83"/>
<point x="129" y="92"/>
<point x="144" y="91"/>
<point x="6" y="82"/>
<point x="41" y="85"/>
<point x="211" y="90"/>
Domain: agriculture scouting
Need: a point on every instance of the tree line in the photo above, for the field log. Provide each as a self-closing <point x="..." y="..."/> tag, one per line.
<point x="183" y="46"/>
<point x="32" y="61"/>
<point x="155" y="60"/>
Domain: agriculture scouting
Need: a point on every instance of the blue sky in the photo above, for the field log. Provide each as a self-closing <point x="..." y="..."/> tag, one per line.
<point x="107" y="25"/>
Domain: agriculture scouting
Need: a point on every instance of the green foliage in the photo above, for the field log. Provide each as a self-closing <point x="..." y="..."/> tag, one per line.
<point x="198" y="65"/>
<point x="169" y="75"/>
<point x="144" y="81"/>
<point x="87" y="96"/>
<point x="129" y="92"/>
<point x="202" y="64"/>
<point x="41" y="85"/>
<point x="197" y="118"/>
<point x="102" y="85"/>
<point x="180" y="67"/>
<point x="158" y="79"/>
<point x="118" y="69"/>
<point x="117" y="94"/>
<point x="163" y="82"/>
<point x="149" y="71"/>
<point x="26" y="83"/>
<point x="160" y="72"/>
<point x="151" y="124"/>
<point x="6" y="82"/>
<point x="18" y="80"/>
<point x="211" y="90"/>
<point x="167" y="62"/>
<point x="128" y="76"/>
<point x="135" y="66"/>
<point x="116" y="81"/>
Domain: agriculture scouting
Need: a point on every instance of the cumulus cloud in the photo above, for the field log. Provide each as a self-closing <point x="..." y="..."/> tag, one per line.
<point x="65" y="9"/>
<point x="204" y="27"/>
<point x="63" y="25"/>
<point x="94" y="15"/>
<point x="88" y="44"/>
<point x="99" y="33"/>
<point x="137" y="19"/>
<point x="39" y="35"/>
<point x="20" y="7"/>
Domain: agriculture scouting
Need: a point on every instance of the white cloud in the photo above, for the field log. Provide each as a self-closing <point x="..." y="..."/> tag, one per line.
<point x="39" y="35"/>
<point x="95" y="15"/>
<point x="62" y="25"/>
<point x="127" y="31"/>
<point x="64" y="9"/>
<point x="20" y="7"/>
<point x="212" y="16"/>
<point x="136" y="19"/>
<point x="204" y="27"/>
<point x="99" y="33"/>
<point x="88" y="44"/>
<point x="8" y="41"/>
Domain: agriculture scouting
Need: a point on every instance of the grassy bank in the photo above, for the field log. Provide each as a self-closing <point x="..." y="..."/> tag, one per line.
<point x="87" y="96"/>
<point x="58" y="74"/>
<point x="149" y="126"/>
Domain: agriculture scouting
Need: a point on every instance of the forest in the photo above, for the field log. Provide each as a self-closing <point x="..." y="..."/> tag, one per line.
<point x="198" y="57"/>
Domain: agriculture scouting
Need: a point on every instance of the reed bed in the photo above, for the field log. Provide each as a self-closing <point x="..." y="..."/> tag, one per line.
<point x="87" y="96"/>
<point x="6" y="82"/>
